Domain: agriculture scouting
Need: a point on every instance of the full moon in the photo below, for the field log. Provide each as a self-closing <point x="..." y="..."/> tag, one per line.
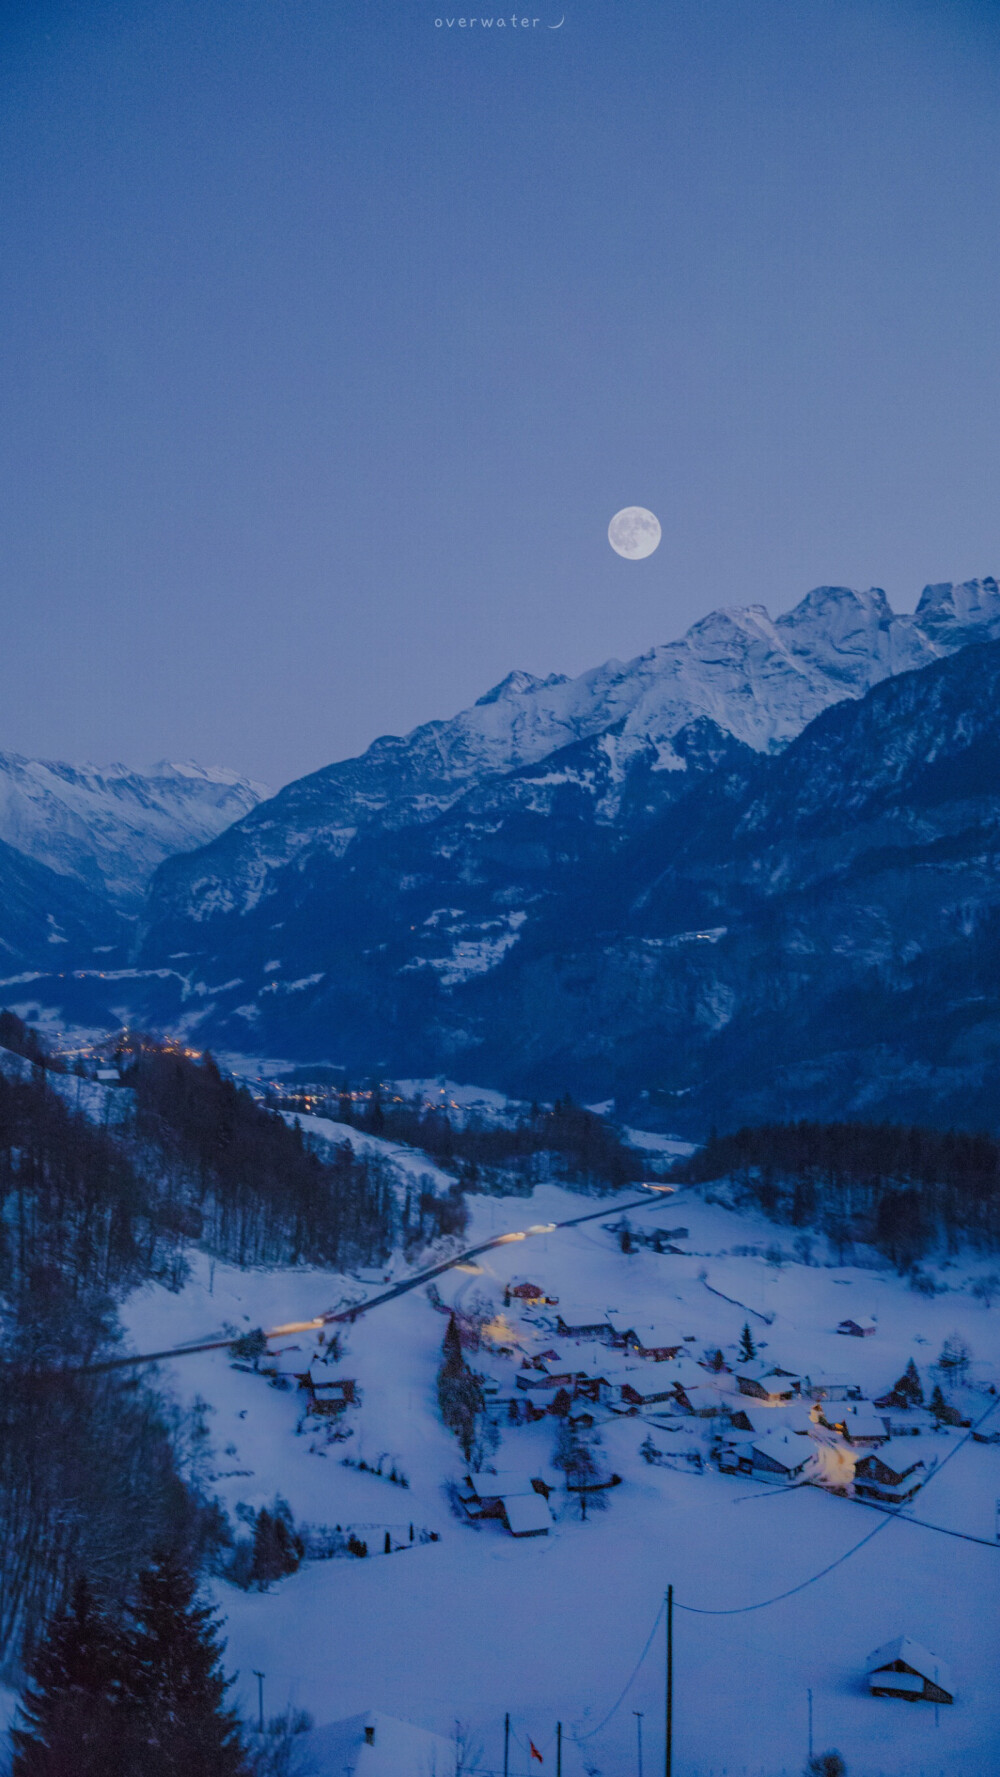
<point x="634" y="532"/>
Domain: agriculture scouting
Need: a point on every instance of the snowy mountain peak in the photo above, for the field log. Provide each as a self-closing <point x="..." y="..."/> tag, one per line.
<point x="219" y="775"/>
<point x="516" y="684"/>
<point x="108" y="826"/>
<point x="757" y="679"/>
<point x="960" y="614"/>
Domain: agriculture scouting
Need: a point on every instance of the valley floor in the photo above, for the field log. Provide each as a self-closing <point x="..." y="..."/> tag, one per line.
<point x="551" y="1628"/>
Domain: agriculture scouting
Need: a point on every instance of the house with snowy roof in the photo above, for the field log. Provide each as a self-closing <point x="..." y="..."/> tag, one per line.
<point x="857" y="1329"/>
<point x="766" y="1382"/>
<point x="516" y="1498"/>
<point x="375" y="1745"/>
<point x="889" y="1474"/>
<point x="779" y="1456"/>
<point x="860" y="1425"/>
<point x="700" y="1399"/>
<point x="580" y="1320"/>
<point x="902" y="1668"/>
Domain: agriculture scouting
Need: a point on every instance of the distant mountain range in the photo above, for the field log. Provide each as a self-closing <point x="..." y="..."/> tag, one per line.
<point x="750" y="873"/>
<point x="110" y="827"/>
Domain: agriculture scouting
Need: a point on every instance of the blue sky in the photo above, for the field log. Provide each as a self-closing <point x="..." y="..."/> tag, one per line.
<point x="331" y="339"/>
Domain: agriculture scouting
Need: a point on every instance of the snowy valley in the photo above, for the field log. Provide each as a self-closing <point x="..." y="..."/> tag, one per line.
<point x="478" y="1621"/>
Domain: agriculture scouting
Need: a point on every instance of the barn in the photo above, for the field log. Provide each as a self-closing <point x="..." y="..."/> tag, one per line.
<point x="902" y="1668"/>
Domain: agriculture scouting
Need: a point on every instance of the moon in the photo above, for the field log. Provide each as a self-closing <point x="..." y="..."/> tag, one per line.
<point x="634" y="533"/>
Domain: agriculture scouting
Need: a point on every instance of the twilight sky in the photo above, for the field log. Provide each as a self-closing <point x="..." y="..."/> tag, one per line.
<point x="330" y="340"/>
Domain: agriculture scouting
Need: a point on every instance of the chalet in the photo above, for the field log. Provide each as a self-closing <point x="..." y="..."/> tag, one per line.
<point x="860" y="1425"/>
<point x="765" y="1382"/>
<point x="657" y="1354"/>
<point x="907" y="1422"/>
<point x="546" y="1379"/>
<point x="699" y="1399"/>
<point x="578" y="1321"/>
<point x="530" y="1295"/>
<point x="832" y="1388"/>
<point x="779" y="1457"/>
<point x="623" y="1334"/>
<point x="488" y="1488"/>
<point x="633" y="1386"/>
<point x="888" y="1475"/>
<point x="856" y="1329"/>
<point x="519" y="1501"/>
<point x="109" y="1076"/>
<point x="902" y="1668"/>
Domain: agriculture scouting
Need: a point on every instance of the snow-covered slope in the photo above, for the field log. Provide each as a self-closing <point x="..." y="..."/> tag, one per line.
<point x="110" y="827"/>
<point x="756" y="679"/>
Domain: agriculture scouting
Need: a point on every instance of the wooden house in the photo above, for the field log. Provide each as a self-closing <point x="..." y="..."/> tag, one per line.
<point x="518" y="1500"/>
<point x="530" y="1295"/>
<point x="856" y="1329"/>
<point x="766" y="1382"/>
<point x="579" y="1321"/>
<point x="889" y="1474"/>
<point x="860" y="1425"/>
<point x="902" y="1668"/>
<point x="779" y="1456"/>
<point x="832" y="1388"/>
<point x="699" y="1399"/>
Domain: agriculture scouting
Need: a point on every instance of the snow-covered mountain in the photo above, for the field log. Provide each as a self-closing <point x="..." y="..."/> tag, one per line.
<point x="109" y="827"/>
<point x="757" y="679"/>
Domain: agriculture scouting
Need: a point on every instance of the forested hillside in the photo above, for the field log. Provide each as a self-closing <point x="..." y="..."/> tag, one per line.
<point x="902" y="1190"/>
<point x="97" y="1470"/>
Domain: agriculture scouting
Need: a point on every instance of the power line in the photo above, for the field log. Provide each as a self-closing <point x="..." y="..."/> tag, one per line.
<point x="764" y="1603"/>
<point x="589" y="1735"/>
<point x="890" y="1517"/>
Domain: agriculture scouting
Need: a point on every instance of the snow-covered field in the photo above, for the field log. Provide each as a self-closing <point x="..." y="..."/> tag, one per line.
<point x="552" y="1628"/>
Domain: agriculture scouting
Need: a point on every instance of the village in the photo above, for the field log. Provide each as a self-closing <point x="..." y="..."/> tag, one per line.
<point x="682" y="1398"/>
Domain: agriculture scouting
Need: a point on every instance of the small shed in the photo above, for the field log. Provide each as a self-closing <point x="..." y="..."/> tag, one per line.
<point x="902" y="1668"/>
<point x="856" y="1329"/>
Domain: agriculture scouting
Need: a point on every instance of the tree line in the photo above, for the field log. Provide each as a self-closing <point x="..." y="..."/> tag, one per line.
<point x="581" y="1146"/>
<point x="904" y="1190"/>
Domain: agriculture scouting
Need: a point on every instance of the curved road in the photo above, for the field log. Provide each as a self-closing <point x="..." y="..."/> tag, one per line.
<point x="656" y="1195"/>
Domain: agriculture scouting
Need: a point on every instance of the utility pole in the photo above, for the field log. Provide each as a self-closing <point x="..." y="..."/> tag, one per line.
<point x="668" y="1757"/>
<point x="638" y="1713"/>
<point x="506" y="1744"/>
<point x="558" y="1749"/>
<point x="810" y="1696"/>
<point x="259" y="1676"/>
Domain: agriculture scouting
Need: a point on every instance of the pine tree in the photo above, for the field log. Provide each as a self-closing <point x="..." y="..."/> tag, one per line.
<point x="460" y="1392"/>
<point x="748" y="1349"/>
<point x="77" y="1718"/>
<point x="188" y="1730"/>
<point x="909" y="1389"/>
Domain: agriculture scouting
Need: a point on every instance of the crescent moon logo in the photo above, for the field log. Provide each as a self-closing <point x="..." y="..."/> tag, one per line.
<point x="562" y="21"/>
